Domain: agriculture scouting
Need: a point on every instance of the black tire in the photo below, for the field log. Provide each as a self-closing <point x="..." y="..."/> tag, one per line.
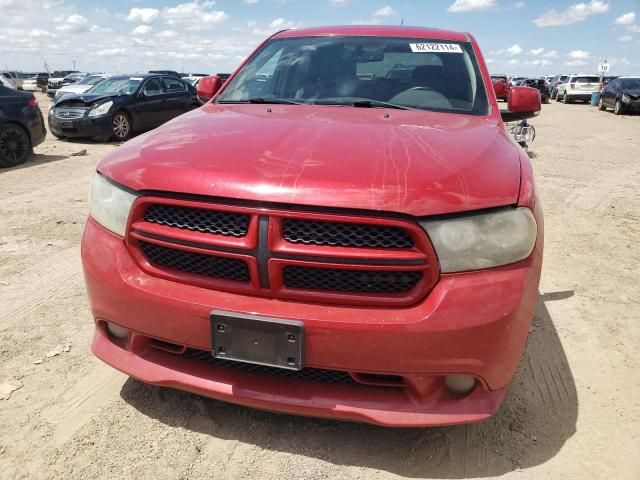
<point x="601" y="106"/>
<point x="122" y="127"/>
<point x="102" y="138"/>
<point x="15" y="146"/>
<point x="557" y="99"/>
<point x="58" y="136"/>
<point x="618" y="109"/>
<point x="565" y="99"/>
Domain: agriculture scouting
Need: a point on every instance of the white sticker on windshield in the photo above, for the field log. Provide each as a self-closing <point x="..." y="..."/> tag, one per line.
<point x="435" y="48"/>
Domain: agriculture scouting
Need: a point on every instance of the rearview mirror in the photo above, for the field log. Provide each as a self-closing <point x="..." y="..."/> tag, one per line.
<point x="208" y="87"/>
<point x="524" y="102"/>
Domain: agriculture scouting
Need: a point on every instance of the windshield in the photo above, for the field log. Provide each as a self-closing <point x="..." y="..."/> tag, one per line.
<point x="124" y="86"/>
<point x="630" y="83"/>
<point x="498" y="78"/>
<point x="586" y="79"/>
<point x="407" y="72"/>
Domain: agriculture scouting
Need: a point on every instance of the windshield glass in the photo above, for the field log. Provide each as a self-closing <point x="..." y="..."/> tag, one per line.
<point x="630" y="83"/>
<point x="124" y="86"/>
<point x="586" y="79"/>
<point x="414" y="73"/>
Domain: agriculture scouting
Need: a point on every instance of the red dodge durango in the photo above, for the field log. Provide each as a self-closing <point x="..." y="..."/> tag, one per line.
<point x="343" y="230"/>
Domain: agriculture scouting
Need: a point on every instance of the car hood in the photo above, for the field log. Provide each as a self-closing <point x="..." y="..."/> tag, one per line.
<point x="634" y="92"/>
<point x="407" y="161"/>
<point x="87" y="99"/>
<point x="75" y="88"/>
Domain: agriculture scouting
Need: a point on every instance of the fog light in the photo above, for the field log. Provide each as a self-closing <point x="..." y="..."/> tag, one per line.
<point x="460" y="383"/>
<point x="117" y="331"/>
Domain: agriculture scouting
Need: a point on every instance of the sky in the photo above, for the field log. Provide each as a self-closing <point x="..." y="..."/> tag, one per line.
<point x="116" y="36"/>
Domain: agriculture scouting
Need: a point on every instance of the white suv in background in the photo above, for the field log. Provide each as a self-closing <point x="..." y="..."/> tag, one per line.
<point x="578" y="87"/>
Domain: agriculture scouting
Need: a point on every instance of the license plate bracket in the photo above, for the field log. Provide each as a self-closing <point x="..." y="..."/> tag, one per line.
<point x="259" y="340"/>
<point x="66" y="124"/>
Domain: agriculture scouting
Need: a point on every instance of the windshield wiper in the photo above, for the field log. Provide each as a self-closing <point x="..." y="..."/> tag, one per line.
<point x="264" y="101"/>
<point x="376" y="104"/>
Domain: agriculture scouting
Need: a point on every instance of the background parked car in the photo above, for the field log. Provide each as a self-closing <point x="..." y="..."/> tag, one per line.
<point x="622" y="94"/>
<point x="4" y="82"/>
<point x="121" y="105"/>
<point x="513" y="81"/>
<point x="554" y="83"/>
<point x="607" y="79"/>
<point x="43" y="81"/>
<point x="173" y="73"/>
<point x="21" y="126"/>
<point x="82" y="86"/>
<point x="30" y="84"/>
<point x="500" y="86"/>
<point x="540" y="85"/>
<point x="578" y="87"/>
<point x="56" y="83"/>
<point x="12" y="79"/>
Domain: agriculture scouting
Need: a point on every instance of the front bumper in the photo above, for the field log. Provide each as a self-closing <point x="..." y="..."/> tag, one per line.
<point x="472" y="323"/>
<point x="81" y="127"/>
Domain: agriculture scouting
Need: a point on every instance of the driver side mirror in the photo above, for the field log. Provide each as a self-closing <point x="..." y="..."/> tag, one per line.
<point x="524" y="102"/>
<point x="208" y="87"/>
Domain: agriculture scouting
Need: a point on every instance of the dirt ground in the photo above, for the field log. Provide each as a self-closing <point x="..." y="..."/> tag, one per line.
<point x="572" y="412"/>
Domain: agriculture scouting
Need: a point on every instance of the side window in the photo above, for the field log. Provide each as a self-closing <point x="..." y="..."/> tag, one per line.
<point x="153" y="87"/>
<point x="173" y="85"/>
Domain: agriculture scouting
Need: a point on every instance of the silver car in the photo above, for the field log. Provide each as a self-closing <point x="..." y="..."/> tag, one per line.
<point x="578" y="87"/>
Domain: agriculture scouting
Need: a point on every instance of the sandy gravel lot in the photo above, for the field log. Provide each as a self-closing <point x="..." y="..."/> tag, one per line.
<point x="572" y="412"/>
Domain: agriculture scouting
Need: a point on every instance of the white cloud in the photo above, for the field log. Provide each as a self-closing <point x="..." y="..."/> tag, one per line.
<point x="338" y="3"/>
<point x="74" y="24"/>
<point x="143" y="15"/>
<point x="111" y="52"/>
<point x="141" y="30"/>
<point x="541" y="63"/>
<point x="194" y="15"/>
<point x="514" y="62"/>
<point x="551" y="54"/>
<point x="536" y="51"/>
<point x="626" y="19"/>
<point x="624" y="38"/>
<point x="166" y="34"/>
<point x="634" y="28"/>
<point x="472" y="5"/>
<point x="514" y="49"/>
<point x="250" y="2"/>
<point x="576" y="63"/>
<point x="39" y="33"/>
<point x="578" y="54"/>
<point x="519" y="5"/>
<point x="573" y="14"/>
<point x="386" y="11"/>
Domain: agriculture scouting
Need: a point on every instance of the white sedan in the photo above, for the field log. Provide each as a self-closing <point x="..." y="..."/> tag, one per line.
<point x="82" y="86"/>
<point x="30" y="84"/>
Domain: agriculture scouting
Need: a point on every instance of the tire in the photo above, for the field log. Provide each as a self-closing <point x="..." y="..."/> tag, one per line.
<point x="565" y="99"/>
<point x="15" y="146"/>
<point x="122" y="127"/>
<point x="601" y="106"/>
<point x="557" y="96"/>
<point x="618" y="109"/>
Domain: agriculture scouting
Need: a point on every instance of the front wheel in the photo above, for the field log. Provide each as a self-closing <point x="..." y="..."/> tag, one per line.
<point x="601" y="105"/>
<point x="121" y="126"/>
<point x="565" y="99"/>
<point x="15" y="146"/>
<point x="618" y="110"/>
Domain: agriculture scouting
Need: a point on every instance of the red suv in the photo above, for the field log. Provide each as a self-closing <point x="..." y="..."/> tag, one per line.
<point x="345" y="230"/>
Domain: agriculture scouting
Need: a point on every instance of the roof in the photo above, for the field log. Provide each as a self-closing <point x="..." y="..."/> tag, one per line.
<point x="377" y="31"/>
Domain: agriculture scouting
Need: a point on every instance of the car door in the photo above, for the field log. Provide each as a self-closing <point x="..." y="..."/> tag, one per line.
<point x="149" y="107"/>
<point x="177" y="97"/>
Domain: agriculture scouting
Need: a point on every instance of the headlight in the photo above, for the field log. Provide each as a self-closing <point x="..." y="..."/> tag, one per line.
<point x="482" y="240"/>
<point x="101" y="109"/>
<point x="626" y="98"/>
<point x="109" y="205"/>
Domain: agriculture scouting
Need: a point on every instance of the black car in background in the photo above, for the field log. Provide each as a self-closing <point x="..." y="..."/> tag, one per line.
<point x="42" y="81"/>
<point x="121" y="105"/>
<point x="539" y="84"/>
<point x="21" y="126"/>
<point x="622" y="94"/>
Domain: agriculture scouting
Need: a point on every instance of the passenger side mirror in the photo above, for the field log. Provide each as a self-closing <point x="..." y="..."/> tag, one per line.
<point x="524" y="102"/>
<point x="208" y="87"/>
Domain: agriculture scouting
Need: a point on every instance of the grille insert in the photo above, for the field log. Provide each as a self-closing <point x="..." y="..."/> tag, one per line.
<point x="309" y="374"/>
<point x="209" y="265"/>
<point x="353" y="281"/>
<point x="311" y="232"/>
<point x="198" y="219"/>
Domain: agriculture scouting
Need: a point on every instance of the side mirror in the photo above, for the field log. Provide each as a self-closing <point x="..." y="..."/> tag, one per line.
<point x="524" y="102"/>
<point x="208" y="87"/>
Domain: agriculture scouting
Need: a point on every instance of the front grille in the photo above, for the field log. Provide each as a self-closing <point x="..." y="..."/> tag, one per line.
<point x="199" y="220"/>
<point x="209" y="265"/>
<point x="309" y="374"/>
<point x="68" y="113"/>
<point x="310" y="232"/>
<point x="360" y="281"/>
